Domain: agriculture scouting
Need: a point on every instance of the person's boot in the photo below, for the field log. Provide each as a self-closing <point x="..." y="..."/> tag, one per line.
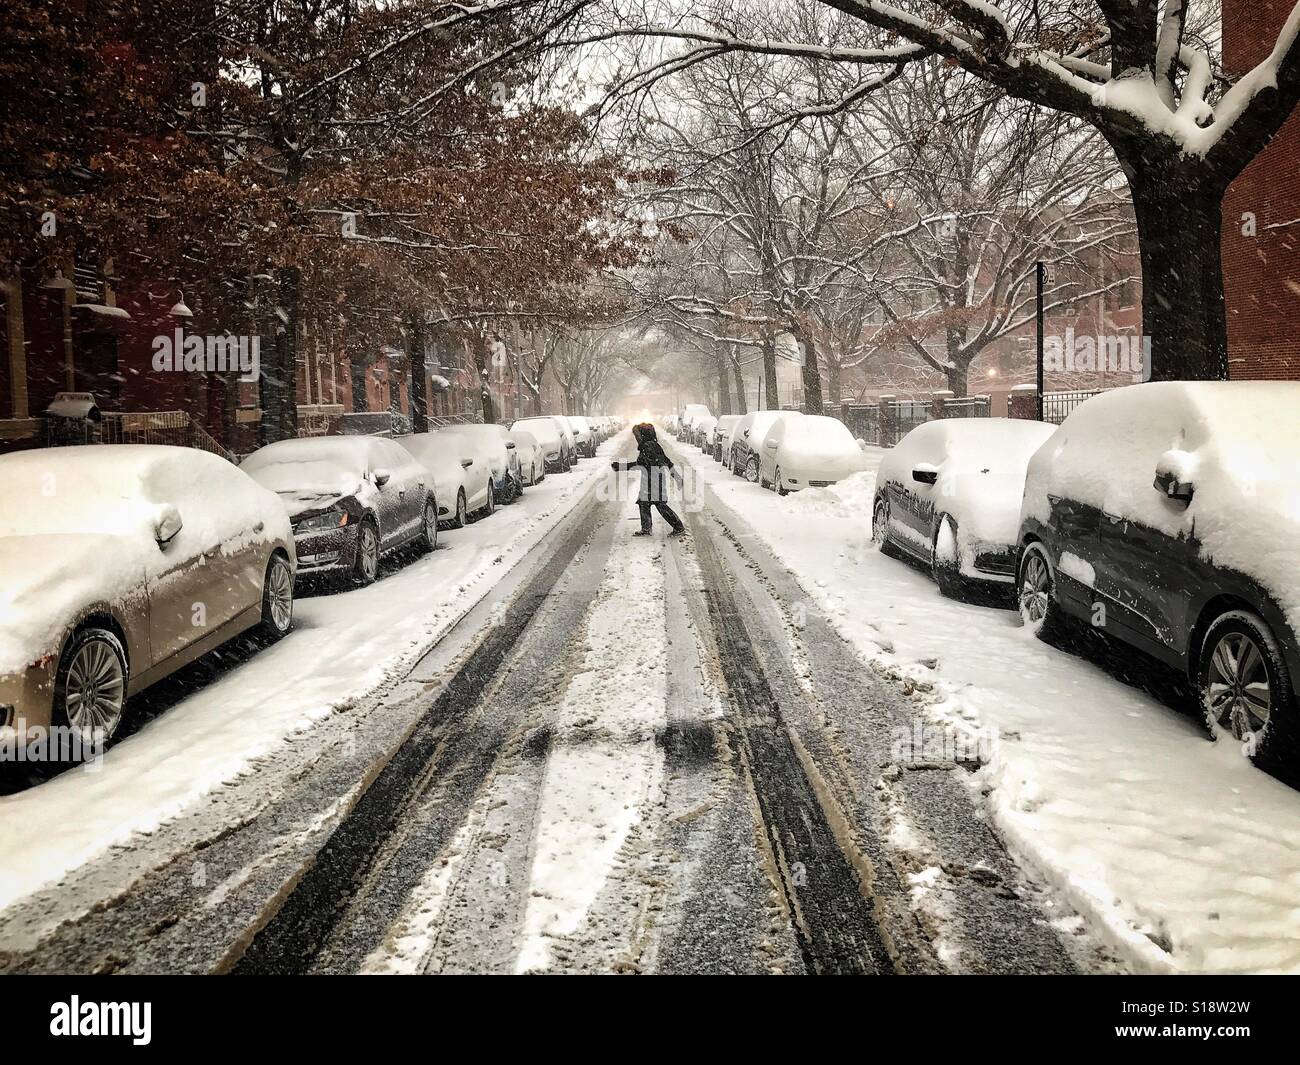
<point x="642" y="532"/>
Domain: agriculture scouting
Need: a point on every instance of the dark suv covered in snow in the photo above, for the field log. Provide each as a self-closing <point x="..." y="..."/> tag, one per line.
<point x="1167" y="515"/>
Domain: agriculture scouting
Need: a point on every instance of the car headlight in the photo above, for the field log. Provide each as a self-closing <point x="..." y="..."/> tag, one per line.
<point x="331" y="519"/>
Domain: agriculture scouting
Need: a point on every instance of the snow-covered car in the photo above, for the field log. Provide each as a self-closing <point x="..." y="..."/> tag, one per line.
<point x="1167" y="515"/>
<point x="461" y="484"/>
<point x="811" y="451"/>
<point x="546" y="431"/>
<point x="352" y="500"/>
<point x="948" y="495"/>
<point x="584" y="439"/>
<point x="702" y="432"/>
<point x="747" y="441"/>
<point x="691" y="413"/>
<point x="492" y="444"/>
<point x="570" y="441"/>
<point x="120" y="564"/>
<point x="721" y="432"/>
<point x="531" y="456"/>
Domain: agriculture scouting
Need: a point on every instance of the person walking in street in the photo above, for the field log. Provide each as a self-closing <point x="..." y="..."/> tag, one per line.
<point x="655" y="469"/>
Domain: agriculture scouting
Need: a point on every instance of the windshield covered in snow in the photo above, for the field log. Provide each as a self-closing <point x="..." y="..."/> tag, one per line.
<point x="320" y="466"/>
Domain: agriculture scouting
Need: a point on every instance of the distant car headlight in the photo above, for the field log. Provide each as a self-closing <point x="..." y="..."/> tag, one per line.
<point x="331" y="519"/>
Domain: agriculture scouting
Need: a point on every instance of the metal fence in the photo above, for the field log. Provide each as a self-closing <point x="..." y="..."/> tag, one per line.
<point x="885" y="424"/>
<point x="173" y="427"/>
<point x="967" y="407"/>
<point x="1058" y="405"/>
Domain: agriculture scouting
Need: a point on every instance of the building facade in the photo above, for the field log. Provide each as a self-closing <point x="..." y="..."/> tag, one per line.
<point x="1261" y="219"/>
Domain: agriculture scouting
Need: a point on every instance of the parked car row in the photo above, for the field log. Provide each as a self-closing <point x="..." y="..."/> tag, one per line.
<point x="123" y="563"/>
<point x="783" y="450"/>
<point x="1164" y="515"/>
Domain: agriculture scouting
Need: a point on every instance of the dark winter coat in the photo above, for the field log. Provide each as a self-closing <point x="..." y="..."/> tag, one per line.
<point x="655" y="465"/>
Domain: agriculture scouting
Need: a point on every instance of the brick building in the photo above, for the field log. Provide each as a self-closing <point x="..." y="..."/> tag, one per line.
<point x="1261" y="219"/>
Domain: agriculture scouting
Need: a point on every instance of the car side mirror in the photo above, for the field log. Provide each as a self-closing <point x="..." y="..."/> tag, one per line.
<point x="167" y="526"/>
<point x="1168" y="485"/>
<point x="925" y="473"/>
<point x="466" y="463"/>
<point x="1176" y="476"/>
<point x="381" y="478"/>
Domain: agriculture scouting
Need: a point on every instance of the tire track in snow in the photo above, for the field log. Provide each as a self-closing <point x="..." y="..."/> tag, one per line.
<point x="605" y="770"/>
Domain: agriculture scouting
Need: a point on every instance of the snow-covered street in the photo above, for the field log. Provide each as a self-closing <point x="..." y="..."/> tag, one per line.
<point x="1175" y="849"/>
<point x="552" y="746"/>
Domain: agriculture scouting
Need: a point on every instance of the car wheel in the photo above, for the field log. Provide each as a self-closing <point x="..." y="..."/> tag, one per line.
<point x="751" y="470"/>
<point x="1036" y="592"/>
<point x="277" y="598"/>
<point x="90" y="686"/>
<point x="429" y="534"/>
<point x="944" y="559"/>
<point x="462" y="512"/>
<point x="366" y="568"/>
<point x="880" y="528"/>
<point x="491" y="506"/>
<point x="781" y="489"/>
<point x="1245" y="689"/>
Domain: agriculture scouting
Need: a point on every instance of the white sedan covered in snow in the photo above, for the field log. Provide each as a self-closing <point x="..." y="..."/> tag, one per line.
<point x="808" y="451"/>
<point x="949" y="496"/>
<point x="121" y="563"/>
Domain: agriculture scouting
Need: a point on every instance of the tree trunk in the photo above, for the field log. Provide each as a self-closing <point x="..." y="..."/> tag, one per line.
<point x="279" y="381"/>
<point x="724" y="391"/>
<point x="484" y="387"/>
<point x="739" y="377"/>
<point x="958" y="376"/>
<point x="833" y="374"/>
<point x="770" y="398"/>
<point x="1180" y="233"/>
<point x="812" y="378"/>
<point x="419" y="379"/>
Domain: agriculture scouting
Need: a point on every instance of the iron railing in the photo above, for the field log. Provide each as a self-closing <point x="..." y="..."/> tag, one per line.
<point x="1058" y="405"/>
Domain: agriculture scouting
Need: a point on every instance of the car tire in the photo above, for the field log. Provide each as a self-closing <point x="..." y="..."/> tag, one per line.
<point x="1036" y="592"/>
<point x="365" y="569"/>
<point x="490" y="507"/>
<point x="880" y="528"/>
<point x="947" y="572"/>
<point x="429" y="532"/>
<point x="781" y="489"/>
<point x="1239" y="655"/>
<point x="752" y="472"/>
<point x="462" y="511"/>
<point x="90" y="685"/>
<point x="277" y="599"/>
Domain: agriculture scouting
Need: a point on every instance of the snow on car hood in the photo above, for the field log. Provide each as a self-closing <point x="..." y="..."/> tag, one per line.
<point x="819" y="448"/>
<point x="304" y="486"/>
<point x="981" y="464"/>
<point x="47" y="580"/>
